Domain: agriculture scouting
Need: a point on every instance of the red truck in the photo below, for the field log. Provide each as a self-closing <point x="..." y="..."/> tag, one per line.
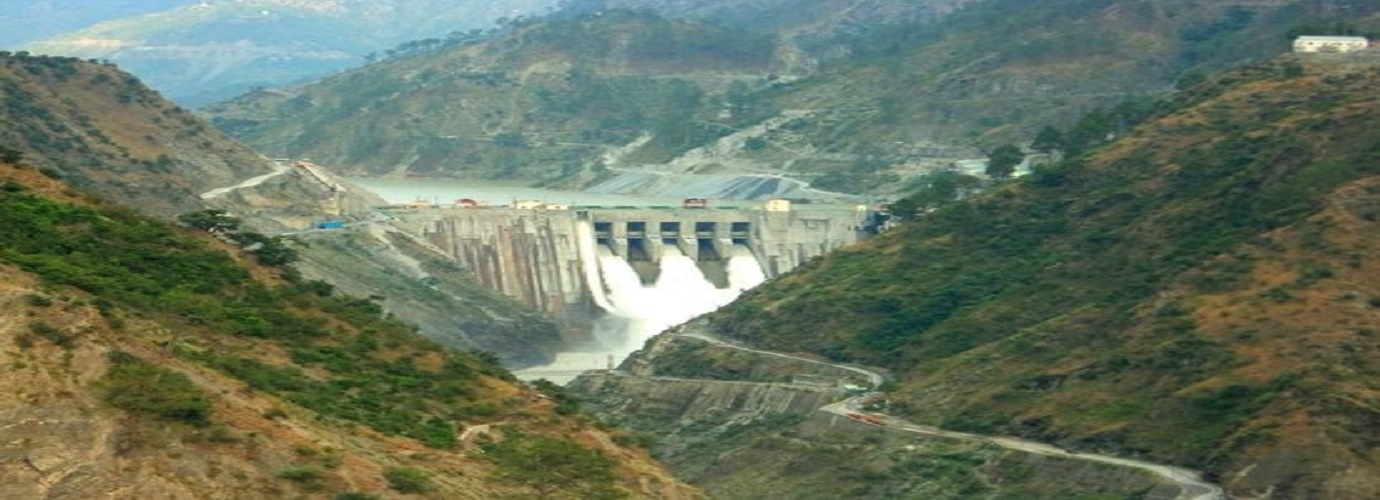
<point x="865" y="418"/>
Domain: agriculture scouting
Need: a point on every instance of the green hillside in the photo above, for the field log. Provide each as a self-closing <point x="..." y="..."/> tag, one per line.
<point x="541" y="102"/>
<point x="861" y="106"/>
<point x="181" y="319"/>
<point x="1200" y="291"/>
<point x="103" y="132"/>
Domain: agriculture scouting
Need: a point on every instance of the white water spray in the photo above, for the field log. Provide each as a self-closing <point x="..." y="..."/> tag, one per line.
<point x="589" y="260"/>
<point x="637" y="312"/>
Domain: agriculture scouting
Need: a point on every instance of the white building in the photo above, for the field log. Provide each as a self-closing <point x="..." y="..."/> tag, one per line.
<point x="777" y="205"/>
<point x="1330" y="43"/>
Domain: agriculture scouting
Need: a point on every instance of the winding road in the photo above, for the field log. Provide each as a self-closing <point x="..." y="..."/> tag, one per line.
<point x="1190" y="483"/>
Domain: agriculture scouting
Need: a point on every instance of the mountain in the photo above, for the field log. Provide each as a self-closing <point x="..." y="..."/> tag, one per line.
<point x="1199" y="291"/>
<point x="29" y="20"/>
<point x="202" y="52"/>
<point x="798" y="19"/>
<point x="852" y="96"/>
<point x="152" y="361"/>
<point x="107" y="132"/>
<point x="538" y="102"/>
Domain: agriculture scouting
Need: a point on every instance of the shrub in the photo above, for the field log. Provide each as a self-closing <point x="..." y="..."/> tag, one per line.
<point x="137" y="386"/>
<point x="408" y="480"/>
<point x="303" y="473"/>
<point x="549" y="465"/>
<point x="53" y="335"/>
<point x="356" y="495"/>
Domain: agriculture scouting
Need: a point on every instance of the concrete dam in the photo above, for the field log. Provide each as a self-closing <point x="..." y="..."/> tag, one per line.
<point x="549" y="256"/>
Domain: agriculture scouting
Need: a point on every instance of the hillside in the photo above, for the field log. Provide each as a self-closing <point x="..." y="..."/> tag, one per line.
<point x="156" y="362"/>
<point x="854" y="96"/>
<point x="1201" y="291"/>
<point x="542" y="101"/>
<point x="201" y="52"/>
<point x="123" y="143"/>
<point x="799" y="20"/>
<point x="105" y="131"/>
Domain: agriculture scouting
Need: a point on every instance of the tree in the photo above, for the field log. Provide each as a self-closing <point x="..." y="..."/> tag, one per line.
<point x="1002" y="162"/>
<point x="510" y="140"/>
<point x="1048" y="140"/>
<point x="554" y="467"/>
<point x="408" y="480"/>
<point x="274" y="252"/>
<point x="10" y="155"/>
<point x="211" y="221"/>
<point x="935" y="190"/>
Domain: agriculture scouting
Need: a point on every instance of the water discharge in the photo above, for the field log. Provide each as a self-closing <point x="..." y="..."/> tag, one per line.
<point x="590" y="262"/>
<point x="635" y="312"/>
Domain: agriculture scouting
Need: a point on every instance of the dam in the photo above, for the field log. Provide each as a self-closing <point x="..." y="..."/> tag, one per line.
<point x="548" y="255"/>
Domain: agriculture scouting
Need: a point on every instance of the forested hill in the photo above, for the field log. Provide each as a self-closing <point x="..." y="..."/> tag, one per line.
<point x="1203" y="291"/>
<point x="540" y="101"/>
<point x="856" y="96"/>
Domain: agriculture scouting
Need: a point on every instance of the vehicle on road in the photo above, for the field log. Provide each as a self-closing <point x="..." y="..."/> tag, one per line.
<point x="865" y="418"/>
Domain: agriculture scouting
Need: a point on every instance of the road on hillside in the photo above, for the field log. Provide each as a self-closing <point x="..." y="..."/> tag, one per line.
<point x="277" y="171"/>
<point x="873" y="378"/>
<point x="1190" y="483"/>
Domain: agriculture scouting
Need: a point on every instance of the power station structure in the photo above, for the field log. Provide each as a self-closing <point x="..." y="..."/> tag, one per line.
<point x="542" y="254"/>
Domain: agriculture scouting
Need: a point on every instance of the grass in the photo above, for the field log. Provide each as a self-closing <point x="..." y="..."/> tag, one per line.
<point x="132" y="265"/>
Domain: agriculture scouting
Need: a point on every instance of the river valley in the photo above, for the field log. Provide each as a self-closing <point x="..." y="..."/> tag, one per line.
<point x="633" y="305"/>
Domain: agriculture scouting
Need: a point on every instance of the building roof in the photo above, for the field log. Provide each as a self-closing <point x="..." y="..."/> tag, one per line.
<point x="1332" y="38"/>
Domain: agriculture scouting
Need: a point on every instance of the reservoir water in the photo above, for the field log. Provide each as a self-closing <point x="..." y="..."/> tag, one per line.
<point x="449" y="190"/>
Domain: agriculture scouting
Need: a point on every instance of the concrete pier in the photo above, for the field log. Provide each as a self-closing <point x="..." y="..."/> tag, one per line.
<point x="533" y="254"/>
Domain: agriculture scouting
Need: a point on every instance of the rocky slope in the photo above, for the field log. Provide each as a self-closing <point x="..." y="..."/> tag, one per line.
<point x="105" y="131"/>
<point x="102" y="132"/>
<point x="1198" y="292"/>
<point x="745" y="425"/>
<point x="201" y="377"/>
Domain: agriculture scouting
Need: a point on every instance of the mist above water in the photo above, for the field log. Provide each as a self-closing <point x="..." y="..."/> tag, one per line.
<point x="636" y="312"/>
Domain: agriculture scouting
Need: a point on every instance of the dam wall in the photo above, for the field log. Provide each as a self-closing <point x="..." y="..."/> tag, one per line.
<point x="541" y="256"/>
<point x="530" y="255"/>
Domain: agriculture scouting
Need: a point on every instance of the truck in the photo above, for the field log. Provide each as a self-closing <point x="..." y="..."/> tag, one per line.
<point x="865" y="418"/>
<point x="330" y="224"/>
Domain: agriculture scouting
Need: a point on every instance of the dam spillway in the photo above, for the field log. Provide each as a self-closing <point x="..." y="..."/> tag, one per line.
<point x="546" y="257"/>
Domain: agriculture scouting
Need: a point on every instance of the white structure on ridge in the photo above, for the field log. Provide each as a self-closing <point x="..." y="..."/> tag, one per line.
<point x="1330" y="43"/>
